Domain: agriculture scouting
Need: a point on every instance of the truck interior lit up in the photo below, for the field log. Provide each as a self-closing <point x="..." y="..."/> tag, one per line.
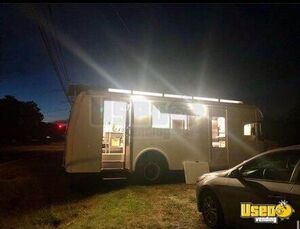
<point x="149" y="134"/>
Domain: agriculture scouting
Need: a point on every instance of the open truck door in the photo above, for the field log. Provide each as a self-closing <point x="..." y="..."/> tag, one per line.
<point x="219" y="142"/>
<point x="84" y="135"/>
<point x="116" y="134"/>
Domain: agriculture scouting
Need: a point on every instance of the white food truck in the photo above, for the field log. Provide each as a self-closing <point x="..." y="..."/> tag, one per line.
<point x="149" y="134"/>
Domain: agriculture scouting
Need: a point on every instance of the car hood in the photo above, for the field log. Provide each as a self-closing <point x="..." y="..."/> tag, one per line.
<point x="220" y="173"/>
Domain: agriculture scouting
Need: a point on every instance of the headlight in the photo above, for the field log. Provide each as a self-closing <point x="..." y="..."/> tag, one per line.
<point x="201" y="177"/>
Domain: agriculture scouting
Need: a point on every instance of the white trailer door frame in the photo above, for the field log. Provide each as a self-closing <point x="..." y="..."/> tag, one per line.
<point x="116" y="133"/>
<point x="219" y="138"/>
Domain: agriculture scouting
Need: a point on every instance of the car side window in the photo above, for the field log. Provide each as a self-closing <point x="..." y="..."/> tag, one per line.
<point x="277" y="166"/>
<point x="298" y="179"/>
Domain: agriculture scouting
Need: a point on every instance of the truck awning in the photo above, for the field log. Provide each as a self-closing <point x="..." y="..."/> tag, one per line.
<point x="174" y="108"/>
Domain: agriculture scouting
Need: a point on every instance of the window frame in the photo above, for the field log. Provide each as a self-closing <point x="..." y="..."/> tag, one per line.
<point x="257" y="128"/>
<point x="184" y="119"/>
<point x="254" y="126"/>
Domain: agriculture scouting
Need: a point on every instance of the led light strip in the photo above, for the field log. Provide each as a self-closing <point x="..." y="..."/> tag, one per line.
<point x="147" y="93"/>
<point x="178" y="96"/>
<point x="206" y="99"/>
<point x="230" y="101"/>
<point x="123" y="91"/>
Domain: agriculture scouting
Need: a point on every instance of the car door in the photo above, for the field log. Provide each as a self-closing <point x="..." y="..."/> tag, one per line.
<point x="295" y="196"/>
<point x="265" y="179"/>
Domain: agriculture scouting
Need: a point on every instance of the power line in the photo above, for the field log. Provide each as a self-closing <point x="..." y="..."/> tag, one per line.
<point x="56" y="68"/>
<point x="52" y="49"/>
<point x="58" y="46"/>
<point x="120" y="18"/>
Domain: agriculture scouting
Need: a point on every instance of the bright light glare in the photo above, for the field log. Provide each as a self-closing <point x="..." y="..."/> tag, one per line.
<point x="229" y="101"/>
<point x="206" y="99"/>
<point x="198" y="109"/>
<point x="178" y="96"/>
<point x="123" y="91"/>
<point x="146" y="93"/>
<point x="142" y="109"/>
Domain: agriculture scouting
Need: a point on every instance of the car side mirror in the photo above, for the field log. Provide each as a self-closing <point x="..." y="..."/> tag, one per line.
<point x="236" y="174"/>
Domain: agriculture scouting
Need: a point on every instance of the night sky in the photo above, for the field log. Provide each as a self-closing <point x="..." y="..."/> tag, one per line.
<point x="243" y="52"/>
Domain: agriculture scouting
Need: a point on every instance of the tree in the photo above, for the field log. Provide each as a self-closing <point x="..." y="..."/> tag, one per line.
<point x="20" y="121"/>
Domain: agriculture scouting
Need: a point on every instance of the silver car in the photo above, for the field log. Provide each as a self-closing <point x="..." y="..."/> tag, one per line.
<point x="270" y="178"/>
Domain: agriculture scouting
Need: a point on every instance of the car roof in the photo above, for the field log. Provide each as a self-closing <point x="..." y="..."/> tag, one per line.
<point x="293" y="147"/>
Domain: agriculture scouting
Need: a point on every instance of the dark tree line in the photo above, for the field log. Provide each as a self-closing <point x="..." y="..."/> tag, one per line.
<point x="21" y="122"/>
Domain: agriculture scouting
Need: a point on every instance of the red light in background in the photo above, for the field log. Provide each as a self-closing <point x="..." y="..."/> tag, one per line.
<point x="60" y="126"/>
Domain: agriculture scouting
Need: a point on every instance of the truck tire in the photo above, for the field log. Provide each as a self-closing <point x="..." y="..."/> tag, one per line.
<point x="151" y="168"/>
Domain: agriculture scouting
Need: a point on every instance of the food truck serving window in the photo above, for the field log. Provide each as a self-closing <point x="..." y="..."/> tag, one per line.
<point x="160" y="120"/>
<point x="175" y="115"/>
<point x="142" y="109"/>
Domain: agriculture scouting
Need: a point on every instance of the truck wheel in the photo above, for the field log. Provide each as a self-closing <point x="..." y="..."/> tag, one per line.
<point x="151" y="169"/>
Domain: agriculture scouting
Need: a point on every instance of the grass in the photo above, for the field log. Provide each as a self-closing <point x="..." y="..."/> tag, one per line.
<point x="159" y="206"/>
<point x="35" y="193"/>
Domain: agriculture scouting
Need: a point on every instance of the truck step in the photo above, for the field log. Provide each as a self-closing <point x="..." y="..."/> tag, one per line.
<point x="114" y="178"/>
<point x="114" y="174"/>
<point x="112" y="165"/>
<point x="110" y="169"/>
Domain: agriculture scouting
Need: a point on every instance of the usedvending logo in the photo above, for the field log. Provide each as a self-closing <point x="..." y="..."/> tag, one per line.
<point x="267" y="213"/>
